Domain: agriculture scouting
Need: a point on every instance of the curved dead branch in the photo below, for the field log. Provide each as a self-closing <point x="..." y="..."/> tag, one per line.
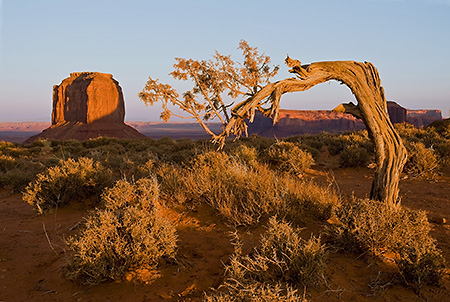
<point x="364" y="81"/>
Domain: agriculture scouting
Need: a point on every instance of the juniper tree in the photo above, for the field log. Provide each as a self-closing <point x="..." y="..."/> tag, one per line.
<point x="215" y="79"/>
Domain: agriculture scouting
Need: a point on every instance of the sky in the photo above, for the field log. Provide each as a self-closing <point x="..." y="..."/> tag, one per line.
<point x="42" y="42"/>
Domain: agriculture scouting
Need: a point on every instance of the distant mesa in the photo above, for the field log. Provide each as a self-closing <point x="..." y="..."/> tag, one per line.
<point x="297" y="122"/>
<point x="87" y="105"/>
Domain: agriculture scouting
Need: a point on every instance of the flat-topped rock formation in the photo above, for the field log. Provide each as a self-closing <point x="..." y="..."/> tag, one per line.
<point x="88" y="105"/>
<point x="423" y="117"/>
<point x="297" y="122"/>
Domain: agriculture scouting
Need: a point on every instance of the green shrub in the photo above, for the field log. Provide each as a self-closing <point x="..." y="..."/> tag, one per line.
<point x="130" y="233"/>
<point x="367" y="225"/>
<point x="288" y="157"/>
<point x="71" y="180"/>
<point x="442" y="150"/>
<point x="354" y="156"/>
<point x="421" y="161"/>
<point x="442" y="127"/>
<point x="336" y="144"/>
<point x="17" y="172"/>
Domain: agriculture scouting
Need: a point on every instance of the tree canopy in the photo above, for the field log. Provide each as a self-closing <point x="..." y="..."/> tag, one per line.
<point x="217" y="83"/>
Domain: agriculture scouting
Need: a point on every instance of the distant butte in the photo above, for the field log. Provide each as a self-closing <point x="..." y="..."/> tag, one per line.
<point x="87" y="105"/>
<point x="298" y="122"/>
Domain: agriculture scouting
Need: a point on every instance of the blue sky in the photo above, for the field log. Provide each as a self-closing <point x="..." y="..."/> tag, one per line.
<point x="41" y="42"/>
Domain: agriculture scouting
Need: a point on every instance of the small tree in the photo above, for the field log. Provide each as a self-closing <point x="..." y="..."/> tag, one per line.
<point x="212" y="79"/>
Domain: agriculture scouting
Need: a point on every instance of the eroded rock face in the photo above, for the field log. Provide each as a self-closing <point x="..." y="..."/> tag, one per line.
<point x="87" y="105"/>
<point x="297" y="122"/>
<point x="86" y="97"/>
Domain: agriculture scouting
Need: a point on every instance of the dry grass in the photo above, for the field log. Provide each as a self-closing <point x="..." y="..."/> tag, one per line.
<point x="245" y="194"/>
<point x="379" y="228"/>
<point x="284" y="260"/>
<point x="288" y="157"/>
<point x="71" y="180"/>
<point x="129" y="233"/>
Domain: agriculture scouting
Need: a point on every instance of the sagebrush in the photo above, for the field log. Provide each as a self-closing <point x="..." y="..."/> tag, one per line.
<point x="129" y="233"/>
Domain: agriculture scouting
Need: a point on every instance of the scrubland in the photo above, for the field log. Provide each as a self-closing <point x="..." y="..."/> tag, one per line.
<point x="260" y="220"/>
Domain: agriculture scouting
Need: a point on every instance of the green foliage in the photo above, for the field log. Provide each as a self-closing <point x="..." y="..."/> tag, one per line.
<point x="338" y="143"/>
<point x="288" y="157"/>
<point x="354" y="156"/>
<point x="129" y="233"/>
<point x="17" y="168"/>
<point x="441" y="127"/>
<point x="367" y="225"/>
<point x="71" y="180"/>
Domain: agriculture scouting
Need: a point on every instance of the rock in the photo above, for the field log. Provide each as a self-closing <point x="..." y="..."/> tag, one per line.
<point x="423" y="118"/>
<point x="87" y="97"/>
<point x="397" y="113"/>
<point x="297" y="122"/>
<point x="87" y="105"/>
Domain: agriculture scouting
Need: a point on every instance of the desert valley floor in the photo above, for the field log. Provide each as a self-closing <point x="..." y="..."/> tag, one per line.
<point x="32" y="250"/>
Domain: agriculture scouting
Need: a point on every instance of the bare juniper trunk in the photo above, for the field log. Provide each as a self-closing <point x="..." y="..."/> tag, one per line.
<point x="364" y="81"/>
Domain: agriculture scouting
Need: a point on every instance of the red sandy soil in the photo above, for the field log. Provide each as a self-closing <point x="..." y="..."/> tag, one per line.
<point x="32" y="251"/>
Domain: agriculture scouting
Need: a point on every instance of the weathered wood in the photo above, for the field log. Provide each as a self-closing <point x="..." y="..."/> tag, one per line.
<point x="364" y="81"/>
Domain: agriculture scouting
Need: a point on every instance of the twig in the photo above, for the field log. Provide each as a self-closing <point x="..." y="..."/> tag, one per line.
<point x="48" y="239"/>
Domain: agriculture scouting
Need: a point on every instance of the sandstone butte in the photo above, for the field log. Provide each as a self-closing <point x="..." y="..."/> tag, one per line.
<point x="87" y="105"/>
<point x="297" y="122"/>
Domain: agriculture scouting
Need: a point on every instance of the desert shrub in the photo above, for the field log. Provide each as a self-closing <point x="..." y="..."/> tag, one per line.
<point x="244" y="194"/>
<point x="442" y="127"/>
<point x="177" y="184"/>
<point x="129" y="233"/>
<point x="254" y="141"/>
<point x="283" y="260"/>
<point x="71" y="180"/>
<point x="7" y="162"/>
<point x="421" y="161"/>
<point x="288" y="157"/>
<point x="367" y="225"/>
<point x="255" y="293"/>
<point x="67" y="149"/>
<point x="307" y="199"/>
<point x="354" y="156"/>
<point x="421" y="263"/>
<point x="442" y="150"/>
<point x="17" y="172"/>
<point x="336" y="144"/>
<point x="240" y="193"/>
<point x="248" y="155"/>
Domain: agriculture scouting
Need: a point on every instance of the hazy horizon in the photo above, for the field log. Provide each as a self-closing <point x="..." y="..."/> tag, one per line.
<point x="42" y="42"/>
